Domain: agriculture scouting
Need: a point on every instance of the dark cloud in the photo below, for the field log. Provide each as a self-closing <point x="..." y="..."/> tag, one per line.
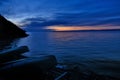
<point x="2" y="1"/>
<point x="4" y="8"/>
<point x="82" y="19"/>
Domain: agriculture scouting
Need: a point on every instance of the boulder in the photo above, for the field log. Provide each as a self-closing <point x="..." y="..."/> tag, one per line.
<point x="34" y="68"/>
<point x="10" y="30"/>
<point x="12" y="54"/>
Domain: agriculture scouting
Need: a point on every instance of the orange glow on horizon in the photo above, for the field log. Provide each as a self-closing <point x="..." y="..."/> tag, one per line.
<point x="75" y="28"/>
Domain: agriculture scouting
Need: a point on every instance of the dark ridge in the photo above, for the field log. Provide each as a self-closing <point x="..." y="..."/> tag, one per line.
<point x="10" y="30"/>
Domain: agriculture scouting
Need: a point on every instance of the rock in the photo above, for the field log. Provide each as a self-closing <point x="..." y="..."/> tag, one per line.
<point x="10" y="30"/>
<point x="12" y="54"/>
<point x="28" y="69"/>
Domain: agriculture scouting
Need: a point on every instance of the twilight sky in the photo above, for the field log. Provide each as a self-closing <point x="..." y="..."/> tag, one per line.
<point x="39" y="13"/>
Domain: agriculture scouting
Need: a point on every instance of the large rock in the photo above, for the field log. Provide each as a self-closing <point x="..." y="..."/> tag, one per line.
<point x="33" y="68"/>
<point x="10" y="30"/>
<point x="13" y="54"/>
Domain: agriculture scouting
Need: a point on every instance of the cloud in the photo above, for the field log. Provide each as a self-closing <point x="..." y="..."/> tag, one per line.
<point x="75" y="19"/>
<point x="64" y="12"/>
<point x="2" y="1"/>
<point x="5" y="7"/>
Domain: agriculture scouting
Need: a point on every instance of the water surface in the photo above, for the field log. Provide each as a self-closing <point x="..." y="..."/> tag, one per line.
<point x="98" y="51"/>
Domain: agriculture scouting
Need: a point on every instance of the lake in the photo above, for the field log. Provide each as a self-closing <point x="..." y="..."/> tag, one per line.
<point x="98" y="51"/>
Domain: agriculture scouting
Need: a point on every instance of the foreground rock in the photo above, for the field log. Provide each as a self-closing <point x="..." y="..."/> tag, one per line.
<point x="28" y="68"/>
<point x="12" y="54"/>
<point x="10" y="30"/>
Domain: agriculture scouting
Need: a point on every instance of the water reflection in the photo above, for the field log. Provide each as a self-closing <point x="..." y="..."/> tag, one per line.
<point x="98" y="51"/>
<point x="37" y="43"/>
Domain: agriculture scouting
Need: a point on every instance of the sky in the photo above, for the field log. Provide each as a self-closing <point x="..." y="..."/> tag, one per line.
<point x="77" y="13"/>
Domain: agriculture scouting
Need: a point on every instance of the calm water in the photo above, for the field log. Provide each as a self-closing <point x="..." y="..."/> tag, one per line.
<point x="98" y="51"/>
